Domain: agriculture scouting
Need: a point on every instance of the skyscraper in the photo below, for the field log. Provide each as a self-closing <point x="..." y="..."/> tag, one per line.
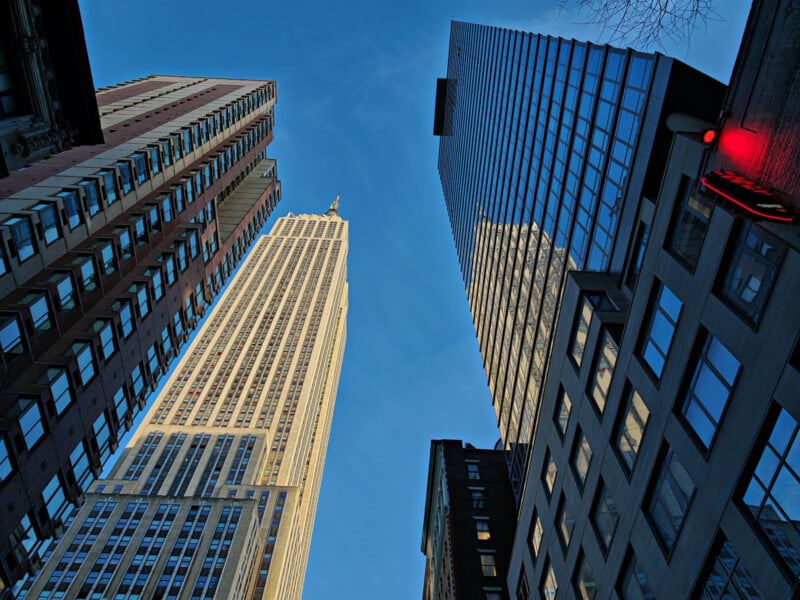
<point x="109" y="255"/>
<point x="216" y="495"/>
<point x="547" y="147"/>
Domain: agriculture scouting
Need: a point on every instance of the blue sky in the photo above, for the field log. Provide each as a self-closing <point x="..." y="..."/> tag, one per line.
<point x="355" y="84"/>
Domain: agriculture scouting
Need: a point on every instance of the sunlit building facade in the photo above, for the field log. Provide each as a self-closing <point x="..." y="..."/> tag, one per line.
<point x="109" y="256"/>
<point x="547" y="146"/>
<point x="215" y="496"/>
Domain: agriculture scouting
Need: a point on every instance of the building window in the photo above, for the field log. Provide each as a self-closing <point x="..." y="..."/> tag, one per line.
<point x="6" y="468"/>
<point x="549" y="474"/>
<point x="54" y="499"/>
<point x="48" y="218"/>
<point x="65" y="289"/>
<point x="585" y="583"/>
<point x="142" y="301"/>
<point x="11" y="339"/>
<point x="605" y="516"/>
<point x="166" y="208"/>
<point x="154" y="156"/>
<point x="774" y="489"/>
<point x="80" y="467"/>
<point x="88" y="277"/>
<point x="72" y="207"/>
<point x="488" y="567"/>
<point x="693" y="213"/>
<point x="756" y="257"/>
<point x="106" y="336"/>
<point x="535" y="535"/>
<point x="635" y="267"/>
<point x="710" y="389"/>
<point x="40" y="313"/>
<point x="137" y="380"/>
<point x="580" y="331"/>
<point x="665" y="313"/>
<point x="549" y="585"/>
<point x="669" y="500"/>
<point x="125" y="176"/>
<point x="110" y="182"/>
<point x="631" y="429"/>
<point x="103" y="437"/>
<point x="123" y="308"/>
<point x="523" y="589"/>
<point x="633" y="583"/>
<point x="140" y="163"/>
<point x="478" y="499"/>
<point x="92" y="192"/>
<point x="565" y="523"/>
<point x="22" y="235"/>
<point x="121" y="405"/>
<point x="472" y="471"/>
<point x="482" y="532"/>
<point x="604" y="370"/>
<point x="83" y="355"/>
<point x="563" y="409"/>
<point x="728" y="578"/>
<point x="581" y="458"/>
<point x="58" y="382"/>
<point x="30" y="422"/>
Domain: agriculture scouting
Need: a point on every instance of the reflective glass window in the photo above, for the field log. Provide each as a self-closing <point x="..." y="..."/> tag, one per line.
<point x="158" y="282"/>
<point x="140" y="163"/>
<point x="669" y="499"/>
<point x="581" y="458"/>
<point x="585" y="582"/>
<point x="49" y="221"/>
<point x="110" y="183"/>
<point x="123" y="307"/>
<point x="6" y="468"/>
<point x="120" y="405"/>
<point x="142" y="301"/>
<point x="728" y="578"/>
<point x="125" y="176"/>
<point x="106" y="249"/>
<point x="581" y="331"/>
<point x="665" y="313"/>
<point x="549" y="586"/>
<point x="473" y="471"/>
<point x="166" y="208"/>
<point x="774" y="488"/>
<point x="633" y="582"/>
<point x="155" y="162"/>
<point x="169" y="264"/>
<point x="166" y="340"/>
<point x="54" y="498"/>
<point x="175" y="138"/>
<point x="692" y="215"/>
<point x="88" y="274"/>
<point x="137" y="380"/>
<point x="605" y="516"/>
<point x="189" y="190"/>
<point x="604" y="370"/>
<point x="92" y="193"/>
<point x="58" y="382"/>
<point x="10" y="338"/>
<point x="72" y="207"/>
<point x="206" y="176"/>
<point x="198" y="182"/>
<point x="187" y="140"/>
<point x="565" y="523"/>
<point x="166" y="152"/>
<point x="125" y="244"/>
<point x="103" y="436"/>
<point x="106" y="335"/>
<point x="139" y="230"/>
<point x="30" y="422"/>
<point x="631" y="429"/>
<point x="22" y="234"/>
<point x="710" y="389"/>
<point x="154" y="219"/>
<point x="549" y="473"/>
<point x="86" y="367"/>
<point x="535" y="535"/>
<point x="563" y="409"/>
<point x="756" y="257"/>
<point x="81" y="467"/>
<point x="40" y="312"/>
<point x="177" y="193"/>
<point x="65" y="289"/>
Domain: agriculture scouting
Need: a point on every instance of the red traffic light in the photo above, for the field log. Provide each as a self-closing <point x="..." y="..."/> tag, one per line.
<point x="709" y="135"/>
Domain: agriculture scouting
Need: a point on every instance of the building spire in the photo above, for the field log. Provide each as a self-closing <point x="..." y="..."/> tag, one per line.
<point x="332" y="212"/>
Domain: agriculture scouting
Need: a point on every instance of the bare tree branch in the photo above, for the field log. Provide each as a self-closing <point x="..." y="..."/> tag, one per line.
<point x="645" y="24"/>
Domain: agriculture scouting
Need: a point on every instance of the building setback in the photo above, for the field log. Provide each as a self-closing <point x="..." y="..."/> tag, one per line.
<point x="216" y="495"/>
<point x="109" y="255"/>
<point x="469" y="523"/>
<point x="547" y="146"/>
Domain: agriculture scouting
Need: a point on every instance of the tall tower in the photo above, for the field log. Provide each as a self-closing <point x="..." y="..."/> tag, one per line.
<point x="109" y="254"/>
<point x="218" y="489"/>
<point x="547" y="147"/>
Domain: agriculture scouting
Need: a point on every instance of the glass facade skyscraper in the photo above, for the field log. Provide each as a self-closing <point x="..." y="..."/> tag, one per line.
<point x="547" y="146"/>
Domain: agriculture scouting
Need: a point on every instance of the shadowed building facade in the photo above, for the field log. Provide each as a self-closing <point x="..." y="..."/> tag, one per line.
<point x="216" y="495"/>
<point x="109" y="256"/>
<point x="547" y="146"/>
<point x="468" y="525"/>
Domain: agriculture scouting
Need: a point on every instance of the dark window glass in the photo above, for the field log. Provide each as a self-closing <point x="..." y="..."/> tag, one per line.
<point x="549" y="473"/>
<point x="72" y="207"/>
<point x="65" y="289"/>
<point x="581" y="331"/>
<point x="633" y="583"/>
<point x="125" y="175"/>
<point x="631" y="429"/>
<point x="774" y="488"/>
<point x="565" y="523"/>
<point x="22" y="234"/>
<point x="92" y="195"/>
<point x="523" y="589"/>
<point x="642" y="235"/>
<point x="473" y="472"/>
<point x="49" y="221"/>
<point x="728" y="578"/>
<point x="166" y="152"/>
<point x="605" y="516"/>
<point x="549" y="585"/>
<point x="692" y="215"/>
<point x="40" y="312"/>
<point x="581" y="458"/>
<point x="585" y="583"/>
<point x="110" y="183"/>
<point x="125" y="244"/>
<point x="478" y="500"/>
<point x="670" y="498"/>
<point x="604" y="370"/>
<point x="710" y="389"/>
<point x="11" y="342"/>
<point x="6" y="467"/>
<point x="665" y="313"/>
<point x="563" y="409"/>
<point x="140" y="162"/>
<point x="155" y="163"/>
<point x="755" y="260"/>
